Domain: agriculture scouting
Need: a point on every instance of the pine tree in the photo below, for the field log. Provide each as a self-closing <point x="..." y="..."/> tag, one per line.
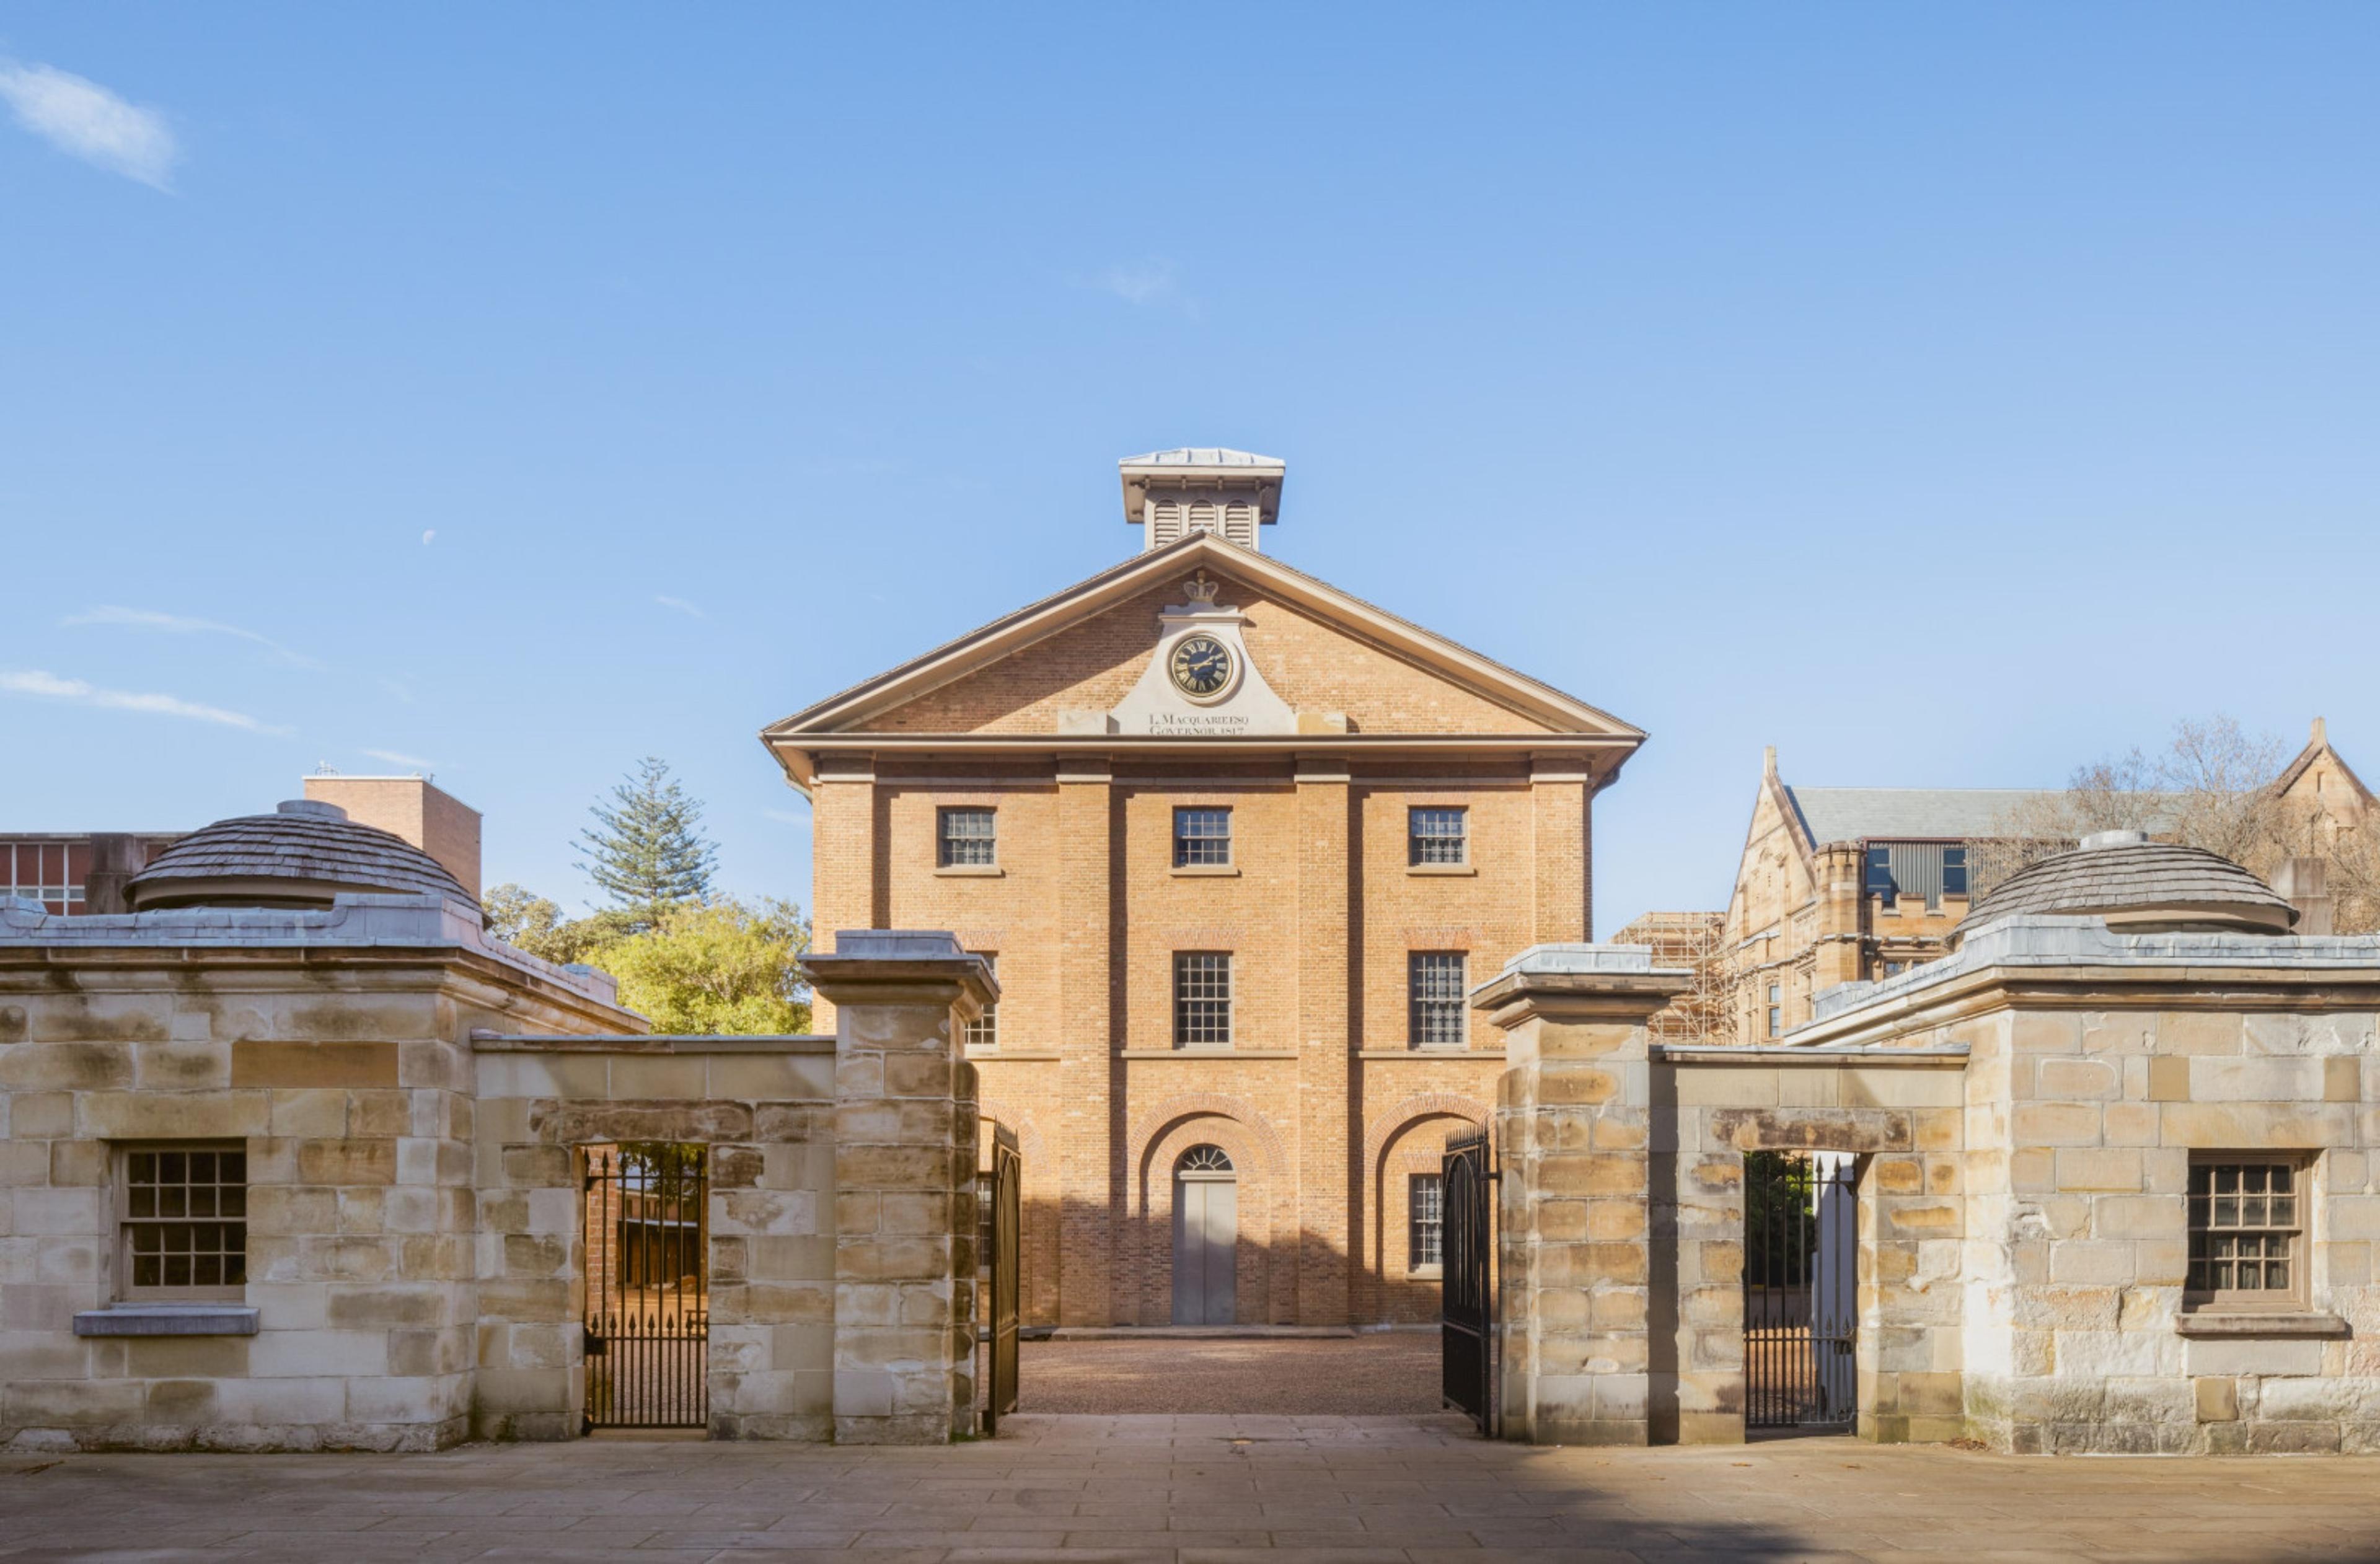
<point x="647" y="856"/>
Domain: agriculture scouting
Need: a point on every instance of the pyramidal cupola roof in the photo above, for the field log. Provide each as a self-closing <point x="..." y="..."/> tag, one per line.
<point x="1170" y="494"/>
<point x="303" y="855"/>
<point x="2137" y="886"/>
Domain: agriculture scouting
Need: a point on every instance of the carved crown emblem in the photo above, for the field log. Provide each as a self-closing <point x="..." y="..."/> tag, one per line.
<point x="1202" y="592"/>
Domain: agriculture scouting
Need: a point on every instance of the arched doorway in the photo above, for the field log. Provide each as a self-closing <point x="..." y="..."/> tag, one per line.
<point x="1205" y="1237"/>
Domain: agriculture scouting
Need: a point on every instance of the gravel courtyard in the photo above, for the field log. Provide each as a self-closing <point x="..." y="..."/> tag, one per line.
<point x="1383" y="1372"/>
<point x="1187" y="1490"/>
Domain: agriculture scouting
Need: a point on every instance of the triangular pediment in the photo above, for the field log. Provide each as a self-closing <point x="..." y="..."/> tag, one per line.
<point x="1057" y="665"/>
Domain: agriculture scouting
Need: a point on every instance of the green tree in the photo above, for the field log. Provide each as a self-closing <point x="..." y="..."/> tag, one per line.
<point x="519" y="916"/>
<point x="648" y="855"/>
<point x="721" y="966"/>
<point x="526" y="921"/>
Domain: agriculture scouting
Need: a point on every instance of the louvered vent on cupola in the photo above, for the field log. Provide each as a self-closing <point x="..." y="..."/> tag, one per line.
<point x="1204" y="489"/>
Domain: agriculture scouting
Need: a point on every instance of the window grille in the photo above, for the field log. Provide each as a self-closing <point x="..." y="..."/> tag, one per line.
<point x="1426" y="1222"/>
<point x="1438" y="836"/>
<point x="968" y="838"/>
<point x="983" y="1031"/>
<point x="1776" y="1008"/>
<point x="1201" y="836"/>
<point x="1202" y="999"/>
<point x="1204" y="1159"/>
<point x="2243" y="1230"/>
<point x="185" y="1224"/>
<point x="1434" y="984"/>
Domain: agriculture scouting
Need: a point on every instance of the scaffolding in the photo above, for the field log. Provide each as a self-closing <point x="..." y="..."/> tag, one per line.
<point x="1697" y="942"/>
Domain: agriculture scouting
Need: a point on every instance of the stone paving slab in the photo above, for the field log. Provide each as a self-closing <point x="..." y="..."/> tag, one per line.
<point x="1190" y="1490"/>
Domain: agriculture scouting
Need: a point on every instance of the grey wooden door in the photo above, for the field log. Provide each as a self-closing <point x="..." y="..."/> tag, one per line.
<point x="1206" y="1241"/>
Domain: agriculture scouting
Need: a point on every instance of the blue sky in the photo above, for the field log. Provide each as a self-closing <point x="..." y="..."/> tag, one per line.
<point x="1945" y="394"/>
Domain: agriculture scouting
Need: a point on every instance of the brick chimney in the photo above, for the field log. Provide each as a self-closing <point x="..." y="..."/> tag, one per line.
<point x="429" y="818"/>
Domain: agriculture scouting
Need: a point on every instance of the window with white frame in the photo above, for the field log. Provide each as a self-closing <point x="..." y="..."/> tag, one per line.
<point x="44" y="872"/>
<point x="969" y="839"/>
<point x="1438" y="836"/>
<point x="1434" y="990"/>
<point x="1202" y="837"/>
<point x="2246" y="1216"/>
<point x="983" y="1031"/>
<point x="1202" y="999"/>
<point x="1425" y="1222"/>
<point x="182" y="1221"/>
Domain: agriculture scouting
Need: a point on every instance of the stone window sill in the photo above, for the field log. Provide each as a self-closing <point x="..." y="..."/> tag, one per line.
<point x="1209" y="1053"/>
<point x="1440" y="868"/>
<point x="1433" y="1051"/>
<point x="2236" y="1323"/>
<point x="1427" y="1273"/>
<point x="1194" y="870"/>
<point x="167" y="1319"/>
<point x="970" y="871"/>
<point x="1014" y="1055"/>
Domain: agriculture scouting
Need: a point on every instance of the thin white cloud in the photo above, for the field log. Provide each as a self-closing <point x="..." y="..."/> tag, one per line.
<point x="85" y="120"/>
<point x="397" y="689"/>
<point x="1147" y="283"/>
<point x="682" y="606"/>
<point x="399" y="758"/>
<point x="788" y="816"/>
<point x="428" y="537"/>
<point x="182" y="624"/>
<point x="35" y="682"/>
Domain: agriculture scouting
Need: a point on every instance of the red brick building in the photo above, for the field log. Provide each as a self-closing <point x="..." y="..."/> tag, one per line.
<point x="56" y="868"/>
<point x="1239" y="843"/>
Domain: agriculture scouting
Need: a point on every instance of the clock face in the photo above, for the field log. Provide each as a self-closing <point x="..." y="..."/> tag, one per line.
<point x="1201" y="665"/>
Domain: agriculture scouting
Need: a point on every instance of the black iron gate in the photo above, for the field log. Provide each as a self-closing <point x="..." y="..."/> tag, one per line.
<point x="1800" y="1286"/>
<point x="1003" y="1190"/>
<point x="1466" y="1310"/>
<point x="647" y="1294"/>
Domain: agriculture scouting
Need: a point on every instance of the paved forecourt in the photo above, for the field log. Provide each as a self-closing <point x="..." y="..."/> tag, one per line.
<point x="1179" y="1489"/>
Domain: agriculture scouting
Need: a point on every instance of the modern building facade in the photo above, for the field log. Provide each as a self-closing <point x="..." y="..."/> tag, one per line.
<point x="1239" y="844"/>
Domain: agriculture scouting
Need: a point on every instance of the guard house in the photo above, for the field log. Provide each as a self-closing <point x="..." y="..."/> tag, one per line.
<point x="297" y="1157"/>
<point x="2102" y="1179"/>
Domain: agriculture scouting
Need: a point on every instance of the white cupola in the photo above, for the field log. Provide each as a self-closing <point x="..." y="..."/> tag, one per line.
<point x="1201" y="489"/>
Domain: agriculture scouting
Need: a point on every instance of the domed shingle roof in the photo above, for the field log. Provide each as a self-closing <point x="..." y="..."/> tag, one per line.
<point x="2135" y="883"/>
<point x="305" y="854"/>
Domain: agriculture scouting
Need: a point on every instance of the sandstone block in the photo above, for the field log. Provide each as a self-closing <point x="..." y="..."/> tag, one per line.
<point x="313" y="1065"/>
<point x="106" y="1115"/>
<point x="2055" y="1124"/>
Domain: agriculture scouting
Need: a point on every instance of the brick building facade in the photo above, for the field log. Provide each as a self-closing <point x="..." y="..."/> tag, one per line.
<point x="1239" y="844"/>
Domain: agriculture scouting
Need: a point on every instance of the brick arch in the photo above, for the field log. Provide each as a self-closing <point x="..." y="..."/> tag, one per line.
<point x="1421" y="1105"/>
<point x="1267" y="1279"/>
<point x="1387" y="1292"/>
<point x="1220" y="1105"/>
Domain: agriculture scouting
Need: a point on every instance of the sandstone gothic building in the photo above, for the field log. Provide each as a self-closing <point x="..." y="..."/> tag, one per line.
<point x="1239" y="846"/>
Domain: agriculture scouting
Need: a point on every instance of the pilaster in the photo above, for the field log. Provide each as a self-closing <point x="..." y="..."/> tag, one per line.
<point x="1572" y="1130"/>
<point x="1087" y="1042"/>
<point x="842" y="847"/>
<point x="905" y="1172"/>
<point x="1326" y="1197"/>
<point x="1559" y="789"/>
